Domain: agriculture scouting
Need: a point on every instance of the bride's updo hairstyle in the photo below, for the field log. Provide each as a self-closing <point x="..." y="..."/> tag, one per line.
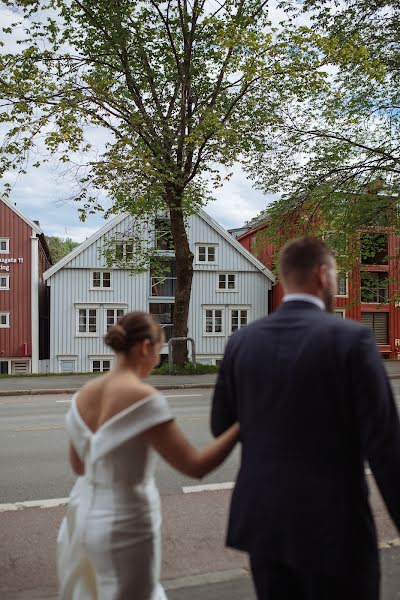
<point x="133" y="328"/>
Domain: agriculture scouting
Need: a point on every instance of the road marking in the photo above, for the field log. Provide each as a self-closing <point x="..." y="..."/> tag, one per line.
<point x="41" y="428"/>
<point x="184" y="396"/>
<point x="51" y="503"/>
<point x="208" y="487"/>
<point x="167" y="396"/>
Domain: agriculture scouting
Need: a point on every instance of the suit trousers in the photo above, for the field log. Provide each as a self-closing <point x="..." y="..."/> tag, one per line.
<point x="275" y="581"/>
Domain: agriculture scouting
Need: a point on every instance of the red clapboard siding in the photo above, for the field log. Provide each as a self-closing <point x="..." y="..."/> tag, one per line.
<point x="16" y="341"/>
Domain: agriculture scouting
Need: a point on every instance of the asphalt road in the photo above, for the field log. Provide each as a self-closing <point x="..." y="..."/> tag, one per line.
<point x="33" y="446"/>
<point x="196" y="565"/>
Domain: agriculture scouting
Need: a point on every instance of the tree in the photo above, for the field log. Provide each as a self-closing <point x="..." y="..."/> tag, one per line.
<point x="59" y="247"/>
<point x="336" y="154"/>
<point x="181" y="88"/>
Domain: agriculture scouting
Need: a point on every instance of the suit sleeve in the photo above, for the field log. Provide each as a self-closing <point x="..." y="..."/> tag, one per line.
<point x="224" y="409"/>
<point x="378" y="421"/>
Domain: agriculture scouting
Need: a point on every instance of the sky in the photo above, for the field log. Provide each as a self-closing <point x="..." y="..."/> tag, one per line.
<point x="41" y="194"/>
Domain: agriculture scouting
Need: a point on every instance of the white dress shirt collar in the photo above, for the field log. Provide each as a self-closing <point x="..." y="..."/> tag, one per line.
<point x="305" y="298"/>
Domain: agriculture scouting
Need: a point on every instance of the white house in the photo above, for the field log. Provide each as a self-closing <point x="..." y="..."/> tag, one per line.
<point x="230" y="289"/>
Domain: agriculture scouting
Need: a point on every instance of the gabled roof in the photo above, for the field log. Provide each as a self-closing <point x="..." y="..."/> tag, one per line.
<point x="31" y="224"/>
<point x="202" y="214"/>
<point x="79" y="249"/>
<point x="237" y="245"/>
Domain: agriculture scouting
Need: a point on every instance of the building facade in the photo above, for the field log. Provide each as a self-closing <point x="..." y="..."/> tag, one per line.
<point x="367" y="293"/>
<point x="24" y="256"/>
<point x="230" y="288"/>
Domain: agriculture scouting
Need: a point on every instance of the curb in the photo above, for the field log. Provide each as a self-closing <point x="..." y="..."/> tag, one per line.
<point x="44" y="392"/>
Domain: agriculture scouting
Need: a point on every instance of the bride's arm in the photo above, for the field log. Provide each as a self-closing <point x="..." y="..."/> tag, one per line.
<point x="173" y="446"/>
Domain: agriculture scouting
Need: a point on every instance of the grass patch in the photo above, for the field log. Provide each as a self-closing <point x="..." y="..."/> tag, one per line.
<point x="187" y="369"/>
<point x="28" y="375"/>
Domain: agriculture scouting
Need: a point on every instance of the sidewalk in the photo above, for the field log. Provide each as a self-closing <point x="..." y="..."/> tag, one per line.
<point x="238" y="586"/>
<point x="68" y="384"/>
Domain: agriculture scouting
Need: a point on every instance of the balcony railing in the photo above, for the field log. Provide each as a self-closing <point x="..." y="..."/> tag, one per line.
<point x="163" y="286"/>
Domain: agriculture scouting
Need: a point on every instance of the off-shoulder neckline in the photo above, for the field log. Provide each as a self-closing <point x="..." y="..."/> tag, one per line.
<point x="115" y="417"/>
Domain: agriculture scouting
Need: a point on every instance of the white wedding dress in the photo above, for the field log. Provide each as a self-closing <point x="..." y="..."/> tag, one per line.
<point x="109" y="540"/>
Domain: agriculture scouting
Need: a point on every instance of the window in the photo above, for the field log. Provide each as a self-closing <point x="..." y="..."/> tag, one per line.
<point x="374" y="249"/>
<point x="340" y="313"/>
<point x="342" y="284"/>
<point x="4" y="245"/>
<point x="112" y="316"/>
<point x="206" y="254"/>
<point x="239" y="318"/>
<point x="379" y="323"/>
<point x="101" y="280"/>
<point x="87" y="321"/>
<point x="213" y="321"/>
<point x="4" y="320"/>
<point x="163" y="277"/>
<point x="124" y="252"/>
<point x="4" y="282"/>
<point x="164" y="239"/>
<point x="164" y="314"/>
<point x="374" y="287"/>
<point x="100" y="365"/>
<point x="227" y="281"/>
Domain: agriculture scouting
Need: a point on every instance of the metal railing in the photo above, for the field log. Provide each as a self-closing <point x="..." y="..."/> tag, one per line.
<point x="180" y="339"/>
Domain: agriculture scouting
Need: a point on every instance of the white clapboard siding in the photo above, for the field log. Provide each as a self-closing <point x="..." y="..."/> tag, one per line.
<point x="70" y="285"/>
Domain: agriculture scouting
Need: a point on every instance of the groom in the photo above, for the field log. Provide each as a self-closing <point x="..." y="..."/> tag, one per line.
<point x="314" y="403"/>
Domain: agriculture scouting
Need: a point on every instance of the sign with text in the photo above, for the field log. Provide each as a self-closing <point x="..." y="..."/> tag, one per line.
<point x="6" y="262"/>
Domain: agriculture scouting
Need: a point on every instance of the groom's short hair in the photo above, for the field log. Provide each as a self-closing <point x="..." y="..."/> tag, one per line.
<point x="298" y="258"/>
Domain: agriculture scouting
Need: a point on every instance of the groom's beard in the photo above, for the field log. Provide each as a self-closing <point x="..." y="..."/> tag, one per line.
<point x="329" y="300"/>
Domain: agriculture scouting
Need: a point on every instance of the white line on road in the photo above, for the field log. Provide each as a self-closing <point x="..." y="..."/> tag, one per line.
<point x="51" y="503"/>
<point x="168" y="396"/>
<point x="208" y="487"/>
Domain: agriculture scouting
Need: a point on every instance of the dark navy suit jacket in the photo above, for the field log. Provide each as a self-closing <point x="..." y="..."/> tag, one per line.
<point x="314" y="402"/>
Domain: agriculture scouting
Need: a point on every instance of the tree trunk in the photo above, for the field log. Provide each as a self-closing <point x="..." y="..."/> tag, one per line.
<point x="184" y="276"/>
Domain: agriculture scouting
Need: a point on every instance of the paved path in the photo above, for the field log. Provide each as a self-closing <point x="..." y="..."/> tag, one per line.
<point x="72" y="382"/>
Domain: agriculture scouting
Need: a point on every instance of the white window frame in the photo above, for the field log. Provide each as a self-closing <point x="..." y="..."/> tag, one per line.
<point x="7" y="250"/>
<point x="347" y="288"/>
<point x="7" y="323"/>
<point x="78" y="333"/>
<point x="7" y="278"/>
<point x="226" y="289"/>
<point x="241" y="307"/>
<point x="206" y="262"/>
<point x="213" y="333"/>
<point x="114" y="308"/>
<point x="101" y="358"/>
<point x="341" y="310"/>
<point x="101" y="287"/>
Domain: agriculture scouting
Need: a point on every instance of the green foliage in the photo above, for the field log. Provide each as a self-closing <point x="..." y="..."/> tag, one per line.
<point x="59" y="247"/>
<point x="335" y="155"/>
<point x="187" y="369"/>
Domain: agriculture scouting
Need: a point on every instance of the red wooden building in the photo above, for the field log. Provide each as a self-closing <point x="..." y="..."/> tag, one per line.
<point x="358" y="299"/>
<point x="24" y="256"/>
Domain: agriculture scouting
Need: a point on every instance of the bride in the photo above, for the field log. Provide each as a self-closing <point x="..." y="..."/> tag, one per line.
<point x="109" y="540"/>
